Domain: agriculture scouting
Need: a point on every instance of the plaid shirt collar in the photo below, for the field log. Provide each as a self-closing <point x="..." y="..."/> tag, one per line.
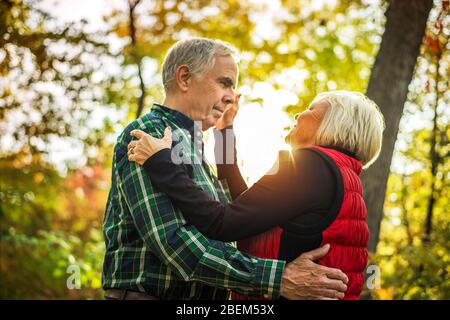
<point x="182" y="120"/>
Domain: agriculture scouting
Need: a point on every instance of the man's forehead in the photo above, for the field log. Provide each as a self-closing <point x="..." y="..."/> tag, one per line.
<point x="226" y="66"/>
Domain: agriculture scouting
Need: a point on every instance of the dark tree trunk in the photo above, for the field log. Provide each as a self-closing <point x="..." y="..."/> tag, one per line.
<point x="137" y="59"/>
<point x="404" y="194"/>
<point x="388" y="87"/>
<point x="435" y="158"/>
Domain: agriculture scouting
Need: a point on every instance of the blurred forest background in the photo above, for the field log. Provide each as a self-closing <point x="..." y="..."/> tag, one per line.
<point x="68" y="86"/>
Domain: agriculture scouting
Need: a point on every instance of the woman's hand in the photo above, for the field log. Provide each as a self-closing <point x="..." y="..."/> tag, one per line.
<point x="229" y="114"/>
<point x="146" y="146"/>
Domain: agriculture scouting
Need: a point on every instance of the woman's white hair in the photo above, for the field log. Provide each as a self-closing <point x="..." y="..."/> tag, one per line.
<point x="353" y="122"/>
<point x="198" y="54"/>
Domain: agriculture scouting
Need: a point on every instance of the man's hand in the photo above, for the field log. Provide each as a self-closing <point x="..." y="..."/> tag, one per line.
<point x="229" y="114"/>
<point x="304" y="280"/>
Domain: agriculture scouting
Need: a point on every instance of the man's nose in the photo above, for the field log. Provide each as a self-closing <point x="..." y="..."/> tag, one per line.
<point x="229" y="98"/>
<point x="296" y="116"/>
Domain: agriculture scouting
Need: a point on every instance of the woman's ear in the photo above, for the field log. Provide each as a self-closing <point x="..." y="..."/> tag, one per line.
<point x="183" y="77"/>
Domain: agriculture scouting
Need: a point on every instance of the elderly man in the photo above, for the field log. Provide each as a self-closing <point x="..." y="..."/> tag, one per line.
<point x="151" y="252"/>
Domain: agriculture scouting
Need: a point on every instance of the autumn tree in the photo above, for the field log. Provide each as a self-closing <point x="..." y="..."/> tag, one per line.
<point x="317" y="49"/>
<point x="51" y="82"/>
<point x="413" y="253"/>
<point x="388" y="87"/>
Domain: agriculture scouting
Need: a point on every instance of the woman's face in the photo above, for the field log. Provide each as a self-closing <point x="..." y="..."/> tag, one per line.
<point x="308" y="122"/>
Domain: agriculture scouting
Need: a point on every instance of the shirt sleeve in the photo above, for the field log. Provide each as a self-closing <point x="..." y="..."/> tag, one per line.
<point x="271" y="201"/>
<point x="189" y="254"/>
<point x="226" y="161"/>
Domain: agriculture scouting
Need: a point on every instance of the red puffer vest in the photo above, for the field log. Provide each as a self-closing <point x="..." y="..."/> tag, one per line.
<point x="347" y="234"/>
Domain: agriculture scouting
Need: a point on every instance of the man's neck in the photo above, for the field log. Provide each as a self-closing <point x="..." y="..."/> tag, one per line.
<point x="175" y="103"/>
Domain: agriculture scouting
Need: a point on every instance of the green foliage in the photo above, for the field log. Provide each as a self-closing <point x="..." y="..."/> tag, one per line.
<point x="36" y="267"/>
<point x="410" y="267"/>
<point x="43" y="230"/>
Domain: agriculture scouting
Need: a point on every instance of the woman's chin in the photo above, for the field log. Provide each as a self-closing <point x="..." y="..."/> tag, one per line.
<point x="287" y="139"/>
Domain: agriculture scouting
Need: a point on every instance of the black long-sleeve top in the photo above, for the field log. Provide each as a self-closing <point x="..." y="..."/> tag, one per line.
<point x="226" y="161"/>
<point x="303" y="189"/>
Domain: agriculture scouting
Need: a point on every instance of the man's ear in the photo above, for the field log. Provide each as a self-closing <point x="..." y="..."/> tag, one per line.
<point x="183" y="77"/>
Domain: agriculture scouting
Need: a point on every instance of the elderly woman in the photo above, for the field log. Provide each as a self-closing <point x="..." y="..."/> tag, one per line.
<point x="313" y="199"/>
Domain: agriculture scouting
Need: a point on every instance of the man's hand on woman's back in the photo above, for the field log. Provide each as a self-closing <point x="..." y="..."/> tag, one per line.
<point x="305" y="280"/>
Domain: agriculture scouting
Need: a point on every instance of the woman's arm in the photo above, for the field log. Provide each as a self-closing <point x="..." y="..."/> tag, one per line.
<point x="226" y="161"/>
<point x="271" y="201"/>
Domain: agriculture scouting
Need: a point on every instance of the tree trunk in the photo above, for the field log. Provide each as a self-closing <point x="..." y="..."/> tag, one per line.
<point x="132" y="5"/>
<point x="388" y="87"/>
<point x="435" y="159"/>
<point x="406" y="223"/>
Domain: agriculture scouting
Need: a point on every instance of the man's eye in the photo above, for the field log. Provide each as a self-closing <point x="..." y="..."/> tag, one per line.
<point x="226" y="83"/>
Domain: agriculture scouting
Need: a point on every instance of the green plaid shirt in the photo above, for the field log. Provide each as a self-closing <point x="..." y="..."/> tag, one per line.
<point x="149" y="245"/>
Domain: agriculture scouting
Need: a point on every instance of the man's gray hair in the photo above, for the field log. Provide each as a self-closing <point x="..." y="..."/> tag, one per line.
<point x="199" y="54"/>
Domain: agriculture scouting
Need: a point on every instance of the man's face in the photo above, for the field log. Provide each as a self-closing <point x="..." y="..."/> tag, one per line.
<point x="209" y="94"/>
<point x="308" y="122"/>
